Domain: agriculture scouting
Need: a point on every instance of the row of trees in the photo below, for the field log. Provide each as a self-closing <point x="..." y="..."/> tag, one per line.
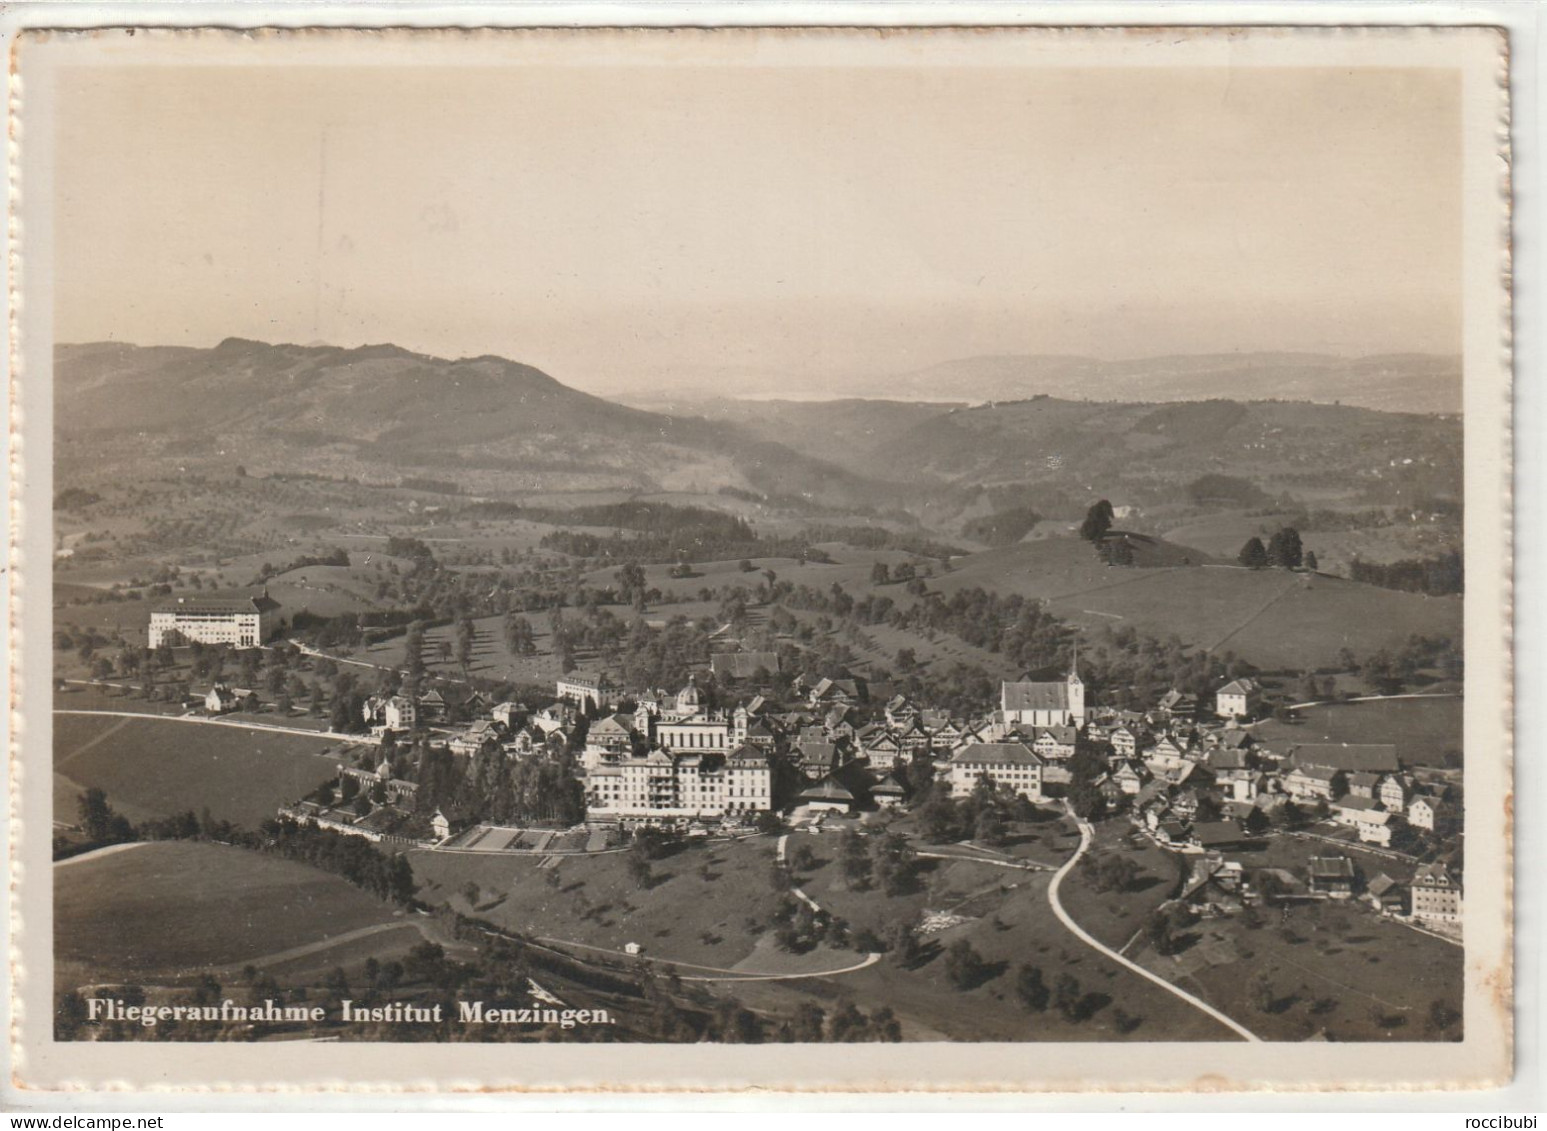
<point x="1283" y="550"/>
<point x="1438" y="576"/>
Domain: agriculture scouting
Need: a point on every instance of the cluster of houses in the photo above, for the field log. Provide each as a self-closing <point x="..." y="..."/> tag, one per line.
<point x="1194" y="780"/>
<point x="390" y="819"/>
<point x="1219" y="886"/>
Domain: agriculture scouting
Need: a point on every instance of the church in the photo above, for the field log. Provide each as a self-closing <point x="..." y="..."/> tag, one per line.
<point x="1058" y="703"/>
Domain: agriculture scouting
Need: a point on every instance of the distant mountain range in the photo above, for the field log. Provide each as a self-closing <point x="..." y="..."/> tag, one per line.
<point x="1391" y="382"/>
<point x="351" y="411"/>
<point x="499" y="426"/>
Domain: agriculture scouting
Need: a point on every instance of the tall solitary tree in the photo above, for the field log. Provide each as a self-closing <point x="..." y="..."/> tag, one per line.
<point x="1253" y="555"/>
<point x="1098" y="520"/>
<point x="96" y="815"/>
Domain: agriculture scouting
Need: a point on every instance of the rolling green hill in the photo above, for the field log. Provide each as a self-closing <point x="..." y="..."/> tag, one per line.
<point x="383" y="410"/>
<point x="1271" y="618"/>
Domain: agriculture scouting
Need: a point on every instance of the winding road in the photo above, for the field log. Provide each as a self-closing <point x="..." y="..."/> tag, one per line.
<point x="1089" y="940"/>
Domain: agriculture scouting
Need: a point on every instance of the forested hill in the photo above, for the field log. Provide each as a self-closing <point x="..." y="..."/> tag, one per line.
<point x="501" y="427"/>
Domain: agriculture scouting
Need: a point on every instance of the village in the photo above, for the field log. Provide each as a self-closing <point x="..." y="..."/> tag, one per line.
<point x="1190" y="777"/>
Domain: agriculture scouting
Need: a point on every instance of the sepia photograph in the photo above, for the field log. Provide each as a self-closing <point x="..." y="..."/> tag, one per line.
<point x="749" y="537"/>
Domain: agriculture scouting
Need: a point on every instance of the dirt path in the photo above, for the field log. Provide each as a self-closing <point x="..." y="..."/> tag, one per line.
<point x="326" y="944"/>
<point x="89" y="743"/>
<point x="718" y="973"/>
<point x="96" y="852"/>
<point x="1261" y="609"/>
<point x="1018" y="865"/>
<point x="795" y="891"/>
<point x="1089" y="940"/>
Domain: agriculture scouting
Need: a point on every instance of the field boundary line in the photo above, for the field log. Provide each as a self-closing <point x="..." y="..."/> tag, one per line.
<point x="330" y="735"/>
<point x="1091" y="941"/>
<point x="95" y="853"/>
<point x="301" y="951"/>
<point x="1017" y="865"/>
<point x="1146" y="575"/>
<point x="89" y="743"/>
<point x="1263" y="608"/>
<point x="720" y="973"/>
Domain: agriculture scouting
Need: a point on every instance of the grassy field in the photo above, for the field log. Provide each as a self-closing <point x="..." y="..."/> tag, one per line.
<point x="1008" y="922"/>
<point x="1273" y="619"/>
<point x="1422" y="729"/>
<point x="1224" y="534"/>
<point x="1113" y="916"/>
<point x="172" y="909"/>
<point x="154" y="767"/>
<point x="709" y="903"/>
<point x="1334" y="969"/>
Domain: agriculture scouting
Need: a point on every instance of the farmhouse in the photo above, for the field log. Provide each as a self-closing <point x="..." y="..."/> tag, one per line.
<point x="1362" y="814"/>
<point x="887" y="793"/>
<point x="1124" y="740"/>
<point x="1384" y="894"/>
<point x="1311" y="783"/>
<point x="1214" y="836"/>
<point x="243" y="621"/>
<point x="1128" y="778"/>
<point x="1436" y="894"/>
<point x="828" y="796"/>
<point x="880" y="748"/>
<point x="1238" y="699"/>
<point x="1332" y="876"/>
<point x="1055" y="742"/>
<point x="817" y="759"/>
<point x="220" y="699"/>
<point x="1012" y="764"/>
<point x="432" y="706"/>
<point x="1060" y="703"/>
<point x="1178" y="704"/>
<point x="900" y="711"/>
<point x="474" y="738"/>
<point x="843" y="691"/>
<point x="1363" y="785"/>
<point x="1426" y="811"/>
<point x="396" y="712"/>
<point x="1350" y="757"/>
<point x="1394" y="791"/>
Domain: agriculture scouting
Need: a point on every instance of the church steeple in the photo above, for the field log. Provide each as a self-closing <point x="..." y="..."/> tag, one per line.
<point x="1075" y="695"/>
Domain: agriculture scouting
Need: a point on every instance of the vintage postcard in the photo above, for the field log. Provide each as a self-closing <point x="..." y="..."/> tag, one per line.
<point x="986" y="546"/>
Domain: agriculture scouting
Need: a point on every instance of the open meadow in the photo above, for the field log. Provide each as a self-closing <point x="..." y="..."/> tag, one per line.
<point x="1224" y="534"/>
<point x="1337" y="972"/>
<point x="151" y="767"/>
<point x="707" y="903"/>
<point x="1423" y="730"/>
<point x="1116" y="916"/>
<point x="1004" y="915"/>
<point x="170" y="910"/>
<point x="1272" y="619"/>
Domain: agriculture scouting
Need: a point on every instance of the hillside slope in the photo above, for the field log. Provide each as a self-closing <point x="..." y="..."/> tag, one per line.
<point x="1272" y="618"/>
<point x="352" y="411"/>
<point x="1063" y="450"/>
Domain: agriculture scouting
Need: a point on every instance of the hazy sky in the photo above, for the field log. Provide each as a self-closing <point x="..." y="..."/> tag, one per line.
<point x="612" y="226"/>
